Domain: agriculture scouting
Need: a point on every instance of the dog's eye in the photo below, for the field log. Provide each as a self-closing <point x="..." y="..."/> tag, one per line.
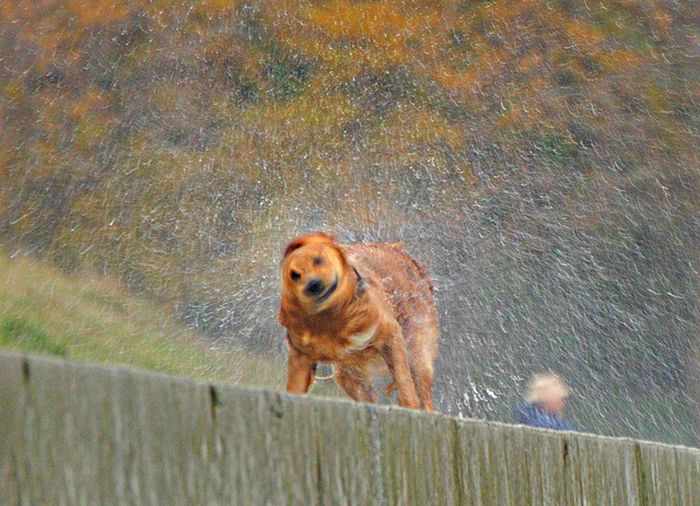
<point x="295" y="276"/>
<point x="318" y="261"/>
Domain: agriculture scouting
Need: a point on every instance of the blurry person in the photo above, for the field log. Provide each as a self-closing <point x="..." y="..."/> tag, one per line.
<point x="544" y="404"/>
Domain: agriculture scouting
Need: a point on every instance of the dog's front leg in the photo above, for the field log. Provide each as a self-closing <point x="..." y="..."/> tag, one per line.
<point x="300" y="372"/>
<point x="394" y="353"/>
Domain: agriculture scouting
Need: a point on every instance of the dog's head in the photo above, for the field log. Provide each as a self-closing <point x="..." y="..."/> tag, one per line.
<point x="314" y="271"/>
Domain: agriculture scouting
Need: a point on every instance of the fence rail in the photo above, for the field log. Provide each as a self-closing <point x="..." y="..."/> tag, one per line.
<point x="80" y="434"/>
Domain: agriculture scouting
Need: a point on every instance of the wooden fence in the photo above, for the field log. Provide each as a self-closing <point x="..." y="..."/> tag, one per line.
<point x="80" y="434"/>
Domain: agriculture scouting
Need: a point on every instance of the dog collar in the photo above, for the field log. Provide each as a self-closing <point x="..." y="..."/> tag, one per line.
<point x="361" y="285"/>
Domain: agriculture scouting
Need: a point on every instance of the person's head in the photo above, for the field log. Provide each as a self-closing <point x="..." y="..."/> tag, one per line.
<point x="547" y="391"/>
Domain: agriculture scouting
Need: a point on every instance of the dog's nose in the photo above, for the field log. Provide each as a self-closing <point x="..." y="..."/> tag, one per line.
<point x="314" y="286"/>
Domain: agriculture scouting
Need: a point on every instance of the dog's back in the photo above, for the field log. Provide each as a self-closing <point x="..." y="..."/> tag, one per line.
<point x="407" y="287"/>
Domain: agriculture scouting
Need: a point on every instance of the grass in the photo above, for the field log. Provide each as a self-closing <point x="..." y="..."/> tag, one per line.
<point x="22" y="334"/>
<point x="93" y="319"/>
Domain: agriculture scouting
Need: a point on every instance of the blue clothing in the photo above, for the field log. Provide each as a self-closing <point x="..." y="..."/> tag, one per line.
<point x="535" y="416"/>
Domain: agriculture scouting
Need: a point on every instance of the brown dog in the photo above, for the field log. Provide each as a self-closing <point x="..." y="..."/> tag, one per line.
<point x="366" y="308"/>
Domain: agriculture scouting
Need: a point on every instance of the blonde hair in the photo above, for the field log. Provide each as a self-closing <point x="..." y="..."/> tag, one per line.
<point x="545" y="387"/>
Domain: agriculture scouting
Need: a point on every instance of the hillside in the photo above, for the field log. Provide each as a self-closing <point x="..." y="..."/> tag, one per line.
<point x="157" y="142"/>
<point x="92" y="319"/>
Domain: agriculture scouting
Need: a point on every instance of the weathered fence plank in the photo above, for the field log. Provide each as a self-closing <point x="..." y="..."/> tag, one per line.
<point x="80" y="434"/>
<point x="660" y="474"/>
<point x="349" y="465"/>
<point x="417" y="458"/>
<point x="268" y="454"/>
<point x="688" y="465"/>
<point x="546" y="460"/>
<point x="607" y="471"/>
<point x="12" y="438"/>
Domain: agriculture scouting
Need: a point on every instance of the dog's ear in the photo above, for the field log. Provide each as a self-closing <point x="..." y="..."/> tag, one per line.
<point x="308" y="239"/>
<point x="295" y="244"/>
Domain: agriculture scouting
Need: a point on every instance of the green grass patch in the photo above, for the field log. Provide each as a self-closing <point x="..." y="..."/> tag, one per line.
<point x="93" y="319"/>
<point x="18" y="333"/>
<point x="556" y="147"/>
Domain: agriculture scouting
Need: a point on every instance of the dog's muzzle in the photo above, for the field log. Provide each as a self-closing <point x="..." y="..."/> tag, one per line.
<point x="315" y="288"/>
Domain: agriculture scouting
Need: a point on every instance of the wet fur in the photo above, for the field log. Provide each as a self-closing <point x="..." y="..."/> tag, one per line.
<point x="379" y="319"/>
